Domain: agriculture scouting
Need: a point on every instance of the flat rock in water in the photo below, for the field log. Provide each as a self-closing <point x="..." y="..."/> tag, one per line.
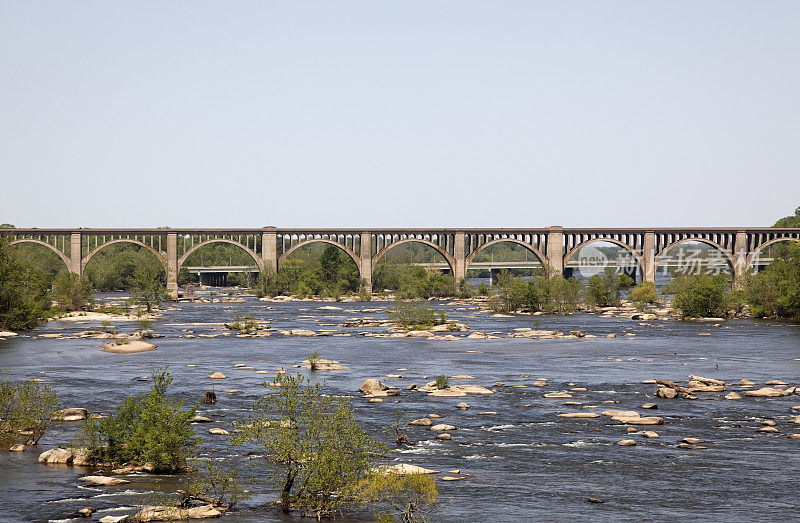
<point x="766" y="392"/>
<point x="176" y="513"/>
<point x="423" y="422"/>
<point x="626" y="443"/>
<point x="441" y="427"/>
<point x="216" y="376"/>
<point x="71" y="414"/>
<point x="405" y="468"/>
<point x="558" y="395"/>
<point x="639" y="420"/>
<point x="218" y="431"/>
<point x="103" y="480"/>
<point x="131" y="347"/>
<point x="733" y="396"/>
<point x="579" y="415"/>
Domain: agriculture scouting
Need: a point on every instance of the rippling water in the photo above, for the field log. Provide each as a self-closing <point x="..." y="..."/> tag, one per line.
<point x="523" y="463"/>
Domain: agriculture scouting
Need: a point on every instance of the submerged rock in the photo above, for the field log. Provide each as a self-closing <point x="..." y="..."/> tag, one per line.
<point x="766" y="392"/>
<point x="103" y="480"/>
<point x="130" y="347"/>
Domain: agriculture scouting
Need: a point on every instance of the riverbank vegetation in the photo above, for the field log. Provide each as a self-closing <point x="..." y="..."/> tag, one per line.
<point x="775" y="291"/>
<point x="415" y="315"/>
<point x="703" y="295"/>
<point x="26" y="408"/>
<point x="151" y="428"/>
<point x="313" y="270"/>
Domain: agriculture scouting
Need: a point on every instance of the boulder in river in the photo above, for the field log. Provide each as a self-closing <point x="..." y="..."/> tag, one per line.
<point x="56" y="456"/>
<point x="462" y="406"/>
<point x="166" y="513"/>
<point x="666" y="392"/>
<point x="209" y="397"/>
<point x="103" y="480"/>
<point x="405" y="468"/>
<point x="626" y="443"/>
<point x="129" y="347"/>
<point x="733" y="396"/>
<point x="442" y="427"/>
<point x="422" y="422"/>
<point x="372" y="386"/>
<point x="18" y="447"/>
<point x="71" y="414"/>
<point x="766" y="392"/>
<point x="216" y="376"/>
<point x="579" y="415"/>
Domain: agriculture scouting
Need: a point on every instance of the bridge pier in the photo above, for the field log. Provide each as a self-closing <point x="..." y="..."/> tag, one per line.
<point x="76" y="254"/>
<point x="739" y="268"/>
<point x="172" y="265"/>
<point x="649" y="257"/>
<point x="366" y="260"/>
<point x="269" y="251"/>
<point x="460" y="269"/>
<point x="555" y="249"/>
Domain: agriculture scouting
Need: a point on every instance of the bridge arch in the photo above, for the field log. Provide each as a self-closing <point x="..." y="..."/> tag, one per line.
<point x="161" y="258"/>
<point x="249" y="251"/>
<point x="39" y="242"/>
<point x="636" y="255"/>
<point x="449" y="259"/>
<point x="347" y="251"/>
<point x="725" y="254"/>
<point x="753" y="255"/>
<point x="531" y="248"/>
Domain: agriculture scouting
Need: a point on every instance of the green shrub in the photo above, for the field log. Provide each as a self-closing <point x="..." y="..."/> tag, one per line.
<point x="318" y="454"/>
<point x="215" y="485"/>
<point x="775" y="291"/>
<point x="147" y="428"/>
<point x="415" y="315"/>
<point x="644" y="294"/>
<point x="701" y="295"/>
<point x="313" y="360"/>
<point x="442" y="381"/>
<point x="605" y="290"/>
<point x="411" y="497"/>
<point x="25" y="407"/>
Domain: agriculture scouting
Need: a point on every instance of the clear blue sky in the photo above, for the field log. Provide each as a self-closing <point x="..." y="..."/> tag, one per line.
<point x="409" y="113"/>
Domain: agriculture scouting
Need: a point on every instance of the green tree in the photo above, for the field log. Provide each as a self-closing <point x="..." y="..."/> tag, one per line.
<point x="701" y="295"/>
<point x="414" y="315"/>
<point x="644" y="294"/>
<point x="605" y="290"/>
<point x="147" y="289"/>
<point x="789" y="221"/>
<point x="411" y="497"/>
<point x="147" y="428"/>
<point x="775" y="291"/>
<point x="71" y="291"/>
<point x="24" y="297"/>
<point x="318" y="452"/>
<point x="26" y="408"/>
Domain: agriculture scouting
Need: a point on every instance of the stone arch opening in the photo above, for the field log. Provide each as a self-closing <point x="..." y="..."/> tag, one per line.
<point x="414" y="268"/>
<point x="692" y="256"/>
<point x="111" y="266"/>
<point x="595" y="256"/>
<point x="517" y="257"/>
<point x="318" y="267"/>
<point x="219" y="262"/>
<point x="41" y="254"/>
<point x="759" y="259"/>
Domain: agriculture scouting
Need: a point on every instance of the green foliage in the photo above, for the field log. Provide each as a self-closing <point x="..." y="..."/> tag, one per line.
<point x="415" y="315"/>
<point x="147" y="288"/>
<point x="775" y="291"/>
<point x="317" y="451"/>
<point x="412" y="282"/>
<point x="701" y="295"/>
<point x="25" y="406"/>
<point x="605" y="290"/>
<point x="789" y="221"/>
<point x="547" y="292"/>
<point x="442" y="381"/>
<point x="24" y="298"/>
<point x="644" y="294"/>
<point x="310" y="272"/>
<point x="483" y="289"/>
<point x="216" y="485"/>
<point x="114" y="267"/>
<point x="412" y="497"/>
<point x="147" y="428"/>
<point x="244" y="323"/>
<point x="313" y="360"/>
<point x="72" y="292"/>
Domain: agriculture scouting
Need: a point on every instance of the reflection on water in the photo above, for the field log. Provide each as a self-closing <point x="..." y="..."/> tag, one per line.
<point x="524" y="462"/>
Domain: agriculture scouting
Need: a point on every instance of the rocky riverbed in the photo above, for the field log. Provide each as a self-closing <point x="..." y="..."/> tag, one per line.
<point x="603" y="415"/>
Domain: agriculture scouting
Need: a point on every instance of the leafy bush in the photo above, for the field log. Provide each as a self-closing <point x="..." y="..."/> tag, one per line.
<point x="442" y="381"/>
<point x="147" y="428"/>
<point x="215" y="485"/>
<point x="244" y="323"/>
<point x="25" y="407"/>
<point x="24" y="298"/>
<point x="775" y="291"/>
<point x="412" y="282"/>
<point x="147" y="289"/>
<point x="605" y="290"/>
<point x="644" y="294"/>
<point x="414" y="315"/>
<point x="701" y="295"/>
<point x="313" y="360"/>
<point x="318" y="453"/>
<point x="412" y="497"/>
<point x="548" y="292"/>
<point x="72" y="292"/>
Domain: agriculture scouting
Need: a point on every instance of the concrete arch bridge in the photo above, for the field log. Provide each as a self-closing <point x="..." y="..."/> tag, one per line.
<point x="555" y="247"/>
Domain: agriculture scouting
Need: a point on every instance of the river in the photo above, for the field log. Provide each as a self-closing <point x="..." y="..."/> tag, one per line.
<point x="524" y="463"/>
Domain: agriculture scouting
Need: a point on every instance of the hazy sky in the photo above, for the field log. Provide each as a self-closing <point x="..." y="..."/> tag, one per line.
<point x="404" y="113"/>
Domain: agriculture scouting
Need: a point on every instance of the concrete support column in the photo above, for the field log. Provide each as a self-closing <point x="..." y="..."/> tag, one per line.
<point x="269" y="250"/>
<point x="739" y="259"/>
<point x="172" y="264"/>
<point x="460" y="258"/>
<point x="555" y="249"/>
<point x="649" y="257"/>
<point x="76" y="254"/>
<point x="366" y="260"/>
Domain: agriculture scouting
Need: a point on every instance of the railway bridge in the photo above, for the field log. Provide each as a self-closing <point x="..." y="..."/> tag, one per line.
<point x="555" y="247"/>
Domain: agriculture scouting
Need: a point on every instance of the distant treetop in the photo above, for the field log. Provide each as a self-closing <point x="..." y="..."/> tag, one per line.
<point x="789" y="221"/>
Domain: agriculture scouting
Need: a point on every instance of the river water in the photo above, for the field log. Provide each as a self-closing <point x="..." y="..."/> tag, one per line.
<point x="524" y="463"/>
